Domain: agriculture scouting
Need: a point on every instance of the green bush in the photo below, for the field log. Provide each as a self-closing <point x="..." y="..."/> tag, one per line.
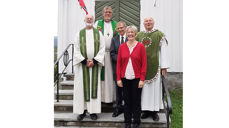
<point x="177" y="108"/>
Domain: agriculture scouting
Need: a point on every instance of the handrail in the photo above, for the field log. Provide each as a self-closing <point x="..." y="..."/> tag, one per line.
<point x="169" y="103"/>
<point x="62" y="54"/>
<point x="66" y="60"/>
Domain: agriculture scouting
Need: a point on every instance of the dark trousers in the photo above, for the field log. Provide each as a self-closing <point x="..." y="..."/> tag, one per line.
<point x="119" y="97"/>
<point x="132" y="100"/>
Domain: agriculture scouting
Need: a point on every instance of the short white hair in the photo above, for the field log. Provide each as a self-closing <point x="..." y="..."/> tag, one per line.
<point x="107" y="7"/>
<point x="134" y="28"/>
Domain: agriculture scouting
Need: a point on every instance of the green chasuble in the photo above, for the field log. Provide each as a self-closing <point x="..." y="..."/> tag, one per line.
<point x="100" y="27"/>
<point x="86" y="74"/>
<point x="151" y="40"/>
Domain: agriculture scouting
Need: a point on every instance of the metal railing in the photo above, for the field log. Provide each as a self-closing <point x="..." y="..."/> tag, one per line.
<point x="66" y="61"/>
<point x="168" y="100"/>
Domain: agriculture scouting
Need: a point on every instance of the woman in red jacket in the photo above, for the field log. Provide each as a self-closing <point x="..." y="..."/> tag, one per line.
<point x="131" y="71"/>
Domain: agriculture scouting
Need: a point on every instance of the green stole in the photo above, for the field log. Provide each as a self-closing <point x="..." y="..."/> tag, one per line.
<point x="151" y="41"/>
<point x="100" y="27"/>
<point x="86" y="74"/>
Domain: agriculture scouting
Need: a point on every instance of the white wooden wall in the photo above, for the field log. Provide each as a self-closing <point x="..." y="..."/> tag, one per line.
<point x="168" y="16"/>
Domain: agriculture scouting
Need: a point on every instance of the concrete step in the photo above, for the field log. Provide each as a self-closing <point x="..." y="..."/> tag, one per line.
<point x="104" y="120"/>
<point x="65" y="94"/>
<point x="67" y="106"/>
<point x="67" y="85"/>
<point x="69" y="76"/>
<point x="80" y="127"/>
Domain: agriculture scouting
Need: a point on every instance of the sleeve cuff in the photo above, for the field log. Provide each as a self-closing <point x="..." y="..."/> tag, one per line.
<point x="142" y="78"/>
<point x="84" y="61"/>
<point x="95" y="61"/>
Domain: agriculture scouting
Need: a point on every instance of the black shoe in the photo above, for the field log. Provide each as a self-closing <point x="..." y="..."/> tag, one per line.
<point x="93" y="116"/>
<point x="136" y="126"/>
<point x="127" y="125"/>
<point x="116" y="113"/>
<point x="155" y="116"/>
<point x="145" y="115"/>
<point x="81" y="117"/>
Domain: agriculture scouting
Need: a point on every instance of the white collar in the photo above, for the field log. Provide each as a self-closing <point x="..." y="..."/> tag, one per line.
<point x="123" y="36"/>
<point x="107" y="22"/>
<point x="149" y="31"/>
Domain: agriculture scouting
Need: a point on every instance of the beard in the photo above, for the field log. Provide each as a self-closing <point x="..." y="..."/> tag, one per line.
<point x="89" y="24"/>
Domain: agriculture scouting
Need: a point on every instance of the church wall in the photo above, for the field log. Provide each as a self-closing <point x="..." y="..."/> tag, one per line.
<point x="168" y="15"/>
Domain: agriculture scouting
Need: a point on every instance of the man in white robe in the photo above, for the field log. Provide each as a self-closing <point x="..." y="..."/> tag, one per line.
<point x="107" y="27"/>
<point x="88" y="60"/>
<point x="154" y="40"/>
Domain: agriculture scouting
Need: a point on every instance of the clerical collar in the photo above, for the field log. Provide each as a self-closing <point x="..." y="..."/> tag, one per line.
<point x="149" y="31"/>
<point x="107" y="22"/>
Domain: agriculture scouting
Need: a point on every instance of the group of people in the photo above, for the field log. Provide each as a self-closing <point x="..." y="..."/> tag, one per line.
<point x="115" y="62"/>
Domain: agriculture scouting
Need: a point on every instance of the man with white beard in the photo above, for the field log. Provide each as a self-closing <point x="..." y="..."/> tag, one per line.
<point x="88" y="60"/>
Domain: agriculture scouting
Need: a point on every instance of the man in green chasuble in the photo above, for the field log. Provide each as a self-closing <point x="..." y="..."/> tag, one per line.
<point x="157" y="62"/>
<point x="107" y="26"/>
<point x="88" y="60"/>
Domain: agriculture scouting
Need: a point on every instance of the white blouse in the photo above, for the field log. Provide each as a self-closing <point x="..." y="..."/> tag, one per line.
<point x="129" y="74"/>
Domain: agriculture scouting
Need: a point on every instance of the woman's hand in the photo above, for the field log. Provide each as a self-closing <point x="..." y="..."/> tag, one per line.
<point x="141" y="84"/>
<point x="119" y="83"/>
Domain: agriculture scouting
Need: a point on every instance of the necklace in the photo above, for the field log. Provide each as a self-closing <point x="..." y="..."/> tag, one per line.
<point x="130" y="45"/>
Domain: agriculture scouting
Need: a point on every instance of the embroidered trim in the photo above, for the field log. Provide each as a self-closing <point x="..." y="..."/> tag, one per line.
<point x="154" y="78"/>
<point x="146" y="41"/>
<point x="149" y="31"/>
<point x="163" y="38"/>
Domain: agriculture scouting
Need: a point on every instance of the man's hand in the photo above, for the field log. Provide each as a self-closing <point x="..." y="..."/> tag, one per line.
<point x="163" y="71"/>
<point x="90" y="63"/>
<point x="119" y="83"/>
<point x="141" y="84"/>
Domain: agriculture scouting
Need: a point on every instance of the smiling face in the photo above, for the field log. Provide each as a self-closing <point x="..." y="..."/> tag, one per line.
<point x="89" y="20"/>
<point x="107" y="14"/>
<point x="131" y="34"/>
<point x="148" y="23"/>
<point x="121" y="28"/>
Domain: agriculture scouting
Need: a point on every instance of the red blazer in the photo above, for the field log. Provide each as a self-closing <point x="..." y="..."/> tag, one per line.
<point x="138" y="58"/>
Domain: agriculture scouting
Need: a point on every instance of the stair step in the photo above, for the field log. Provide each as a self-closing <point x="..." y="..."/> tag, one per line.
<point x="81" y="127"/>
<point x="67" y="85"/>
<point x="69" y="76"/>
<point x="65" y="94"/>
<point x="105" y="120"/>
<point x="67" y="106"/>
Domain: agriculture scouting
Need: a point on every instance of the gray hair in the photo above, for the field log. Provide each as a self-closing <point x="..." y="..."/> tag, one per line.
<point x="150" y="18"/>
<point x="121" y="22"/>
<point x="134" y="28"/>
<point x="107" y="7"/>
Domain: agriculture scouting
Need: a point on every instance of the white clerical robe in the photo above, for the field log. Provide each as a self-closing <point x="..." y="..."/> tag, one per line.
<point x="94" y="105"/>
<point x="152" y="92"/>
<point x="108" y="87"/>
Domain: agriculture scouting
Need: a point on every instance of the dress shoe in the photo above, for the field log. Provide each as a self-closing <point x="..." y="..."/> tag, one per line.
<point x="116" y="113"/>
<point x="93" y="116"/>
<point x="155" y="116"/>
<point x="127" y="125"/>
<point x="145" y="115"/>
<point x="81" y="117"/>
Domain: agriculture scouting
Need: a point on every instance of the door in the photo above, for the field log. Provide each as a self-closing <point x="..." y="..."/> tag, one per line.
<point x="123" y="10"/>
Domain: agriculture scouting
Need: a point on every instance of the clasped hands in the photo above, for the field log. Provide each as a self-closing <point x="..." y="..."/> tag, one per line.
<point x="90" y="63"/>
